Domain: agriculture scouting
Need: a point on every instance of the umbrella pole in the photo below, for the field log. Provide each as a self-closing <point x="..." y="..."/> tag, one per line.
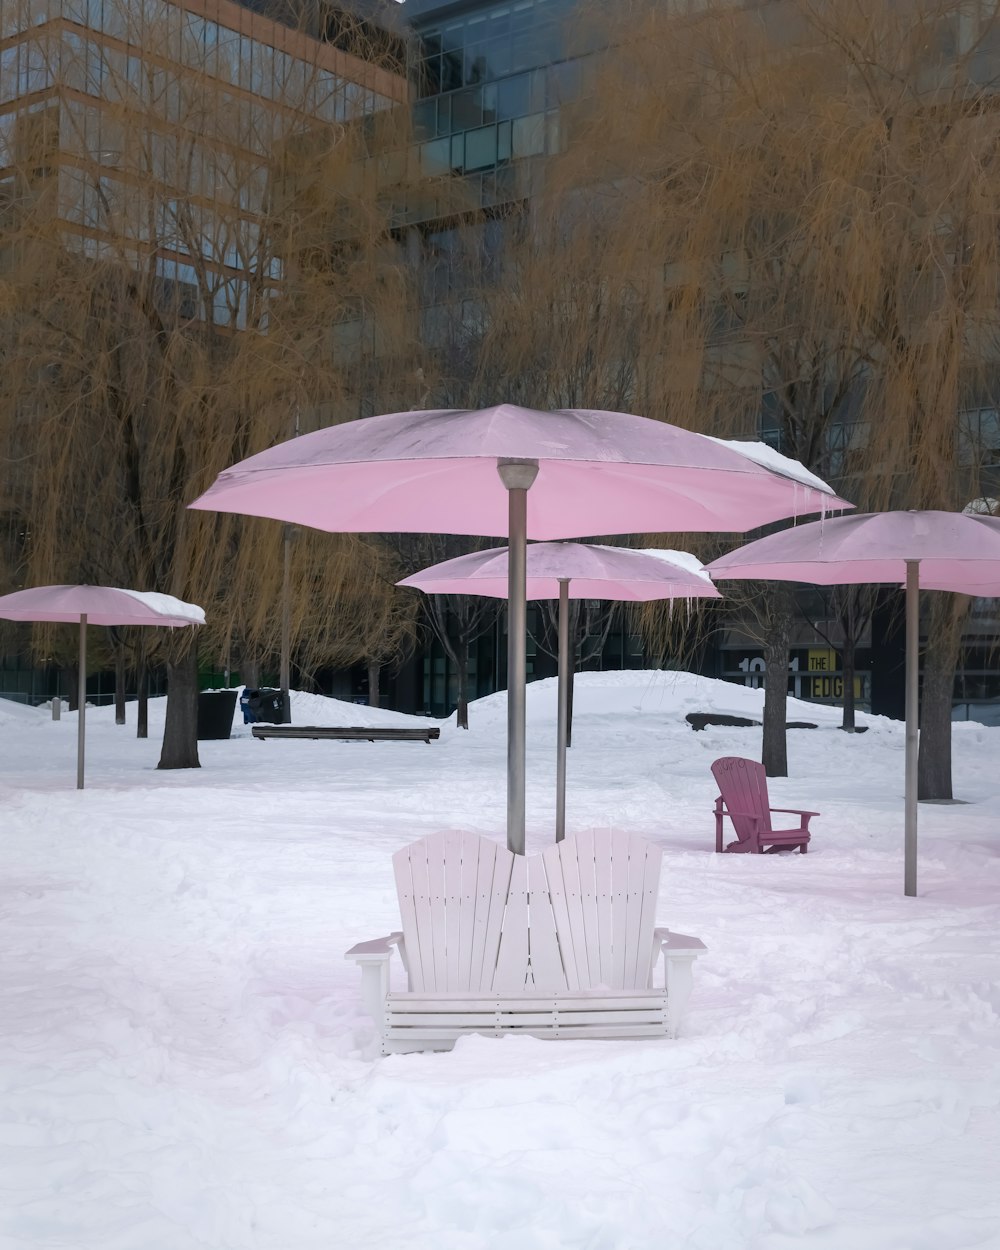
<point x="81" y="718"/>
<point x="517" y="476"/>
<point x="563" y="708"/>
<point x="912" y="725"/>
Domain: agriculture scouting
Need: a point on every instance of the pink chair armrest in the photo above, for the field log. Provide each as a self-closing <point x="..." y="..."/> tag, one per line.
<point x="747" y="815"/>
<point x="794" y="811"/>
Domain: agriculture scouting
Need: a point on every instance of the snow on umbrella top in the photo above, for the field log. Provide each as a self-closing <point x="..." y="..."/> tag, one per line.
<point x="102" y="605"/>
<point x="435" y="471"/>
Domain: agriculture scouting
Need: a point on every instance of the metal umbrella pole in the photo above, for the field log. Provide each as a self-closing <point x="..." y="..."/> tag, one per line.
<point x="517" y="476"/>
<point x="285" y="678"/>
<point x="81" y="713"/>
<point x="912" y="726"/>
<point x="563" y="731"/>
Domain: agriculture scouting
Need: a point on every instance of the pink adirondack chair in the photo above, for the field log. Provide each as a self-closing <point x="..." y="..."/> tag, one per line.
<point x="743" y="798"/>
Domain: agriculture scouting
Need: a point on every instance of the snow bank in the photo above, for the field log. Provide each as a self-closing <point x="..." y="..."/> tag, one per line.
<point x="20" y="714"/>
<point x="317" y="709"/>
<point x="653" y="695"/>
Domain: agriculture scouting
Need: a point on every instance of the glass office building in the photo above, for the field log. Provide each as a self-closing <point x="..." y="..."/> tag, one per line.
<point x="148" y="126"/>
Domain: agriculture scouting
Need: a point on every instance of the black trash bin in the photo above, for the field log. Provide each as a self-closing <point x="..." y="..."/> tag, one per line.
<point x="265" y="706"/>
<point x="215" y="713"/>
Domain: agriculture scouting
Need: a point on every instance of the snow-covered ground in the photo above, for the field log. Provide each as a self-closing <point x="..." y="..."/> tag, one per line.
<point x="184" y="1062"/>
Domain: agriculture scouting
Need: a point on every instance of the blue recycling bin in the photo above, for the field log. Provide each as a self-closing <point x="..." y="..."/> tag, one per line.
<point x="265" y="706"/>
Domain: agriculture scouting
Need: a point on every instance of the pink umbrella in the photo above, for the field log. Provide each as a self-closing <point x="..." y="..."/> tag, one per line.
<point x="567" y="571"/>
<point x="939" y="550"/>
<point x="96" y="605"/>
<point x="469" y="472"/>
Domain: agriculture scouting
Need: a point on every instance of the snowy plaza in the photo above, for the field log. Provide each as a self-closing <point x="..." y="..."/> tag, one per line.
<point x="186" y="1062"/>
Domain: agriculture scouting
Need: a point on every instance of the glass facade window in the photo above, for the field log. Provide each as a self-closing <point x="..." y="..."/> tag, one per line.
<point x="489" y="44"/>
<point x="252" y="91"/>
<point x="494" y="80"/>
<point x="979" y="437"/>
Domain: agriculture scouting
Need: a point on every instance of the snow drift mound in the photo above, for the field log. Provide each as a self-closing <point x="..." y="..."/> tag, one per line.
<point x="318" y="709"/>
<point x="653" y="692"/>
<point x="20" y="714"/>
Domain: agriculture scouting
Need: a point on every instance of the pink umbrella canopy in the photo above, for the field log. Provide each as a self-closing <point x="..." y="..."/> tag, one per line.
<point x="954" y="549"/>
<point x="101" y="605"/>
<point x="567" y="571"/>
<point x="937" y="550"/>
<point x="593" y="572"/>
<point x="451" y="471"/>
<point x="96" y="605"/>
<point x="436" y="472"/>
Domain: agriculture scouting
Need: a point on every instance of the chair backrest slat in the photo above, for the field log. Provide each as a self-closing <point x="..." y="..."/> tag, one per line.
<point x="605" y="930"/>
<point x="454" y="903"/>
<point x="552" y="865"/>
<point x="402" y="866"/>
<point x="619" y="919"/>
<point x="548" y="974"/>
<point x="512" y="975"/>
<point x="633" y="914"/>
<point x="575" y="937"/>
<point x="472" y="851"/>
<point x="584" y="845"/>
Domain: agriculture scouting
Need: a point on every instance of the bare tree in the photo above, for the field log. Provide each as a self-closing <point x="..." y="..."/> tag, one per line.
<point x="183" y="228"/>
<point x="778" y="220"/>
<point x="456" y="621"/>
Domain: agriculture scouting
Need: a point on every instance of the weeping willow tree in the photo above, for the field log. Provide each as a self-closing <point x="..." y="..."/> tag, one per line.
<point x="781" y="220"/>
<point x="187" y="217"/>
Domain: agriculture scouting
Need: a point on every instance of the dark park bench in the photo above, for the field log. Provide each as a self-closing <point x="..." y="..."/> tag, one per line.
<point x="354" y="733"/>
<point x="700" y="720"/>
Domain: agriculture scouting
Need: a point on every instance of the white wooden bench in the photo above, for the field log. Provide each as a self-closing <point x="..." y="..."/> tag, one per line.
<point x="561" y="944"/>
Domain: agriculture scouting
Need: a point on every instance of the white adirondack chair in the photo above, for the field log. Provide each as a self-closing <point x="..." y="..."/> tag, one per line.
<point x="561" y="944"/>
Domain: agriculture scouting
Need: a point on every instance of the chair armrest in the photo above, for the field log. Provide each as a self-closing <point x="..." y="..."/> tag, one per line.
<point x="794" y="811"/>
<point x="731" y="812"/>
<point x="680" y="944"/>
<point x="679" y="953"/>
<point x="373" y="960"/>
<point x="375" y="951"/>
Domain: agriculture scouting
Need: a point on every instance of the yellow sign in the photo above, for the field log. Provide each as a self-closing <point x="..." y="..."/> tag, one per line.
<point x="829" y="686"/>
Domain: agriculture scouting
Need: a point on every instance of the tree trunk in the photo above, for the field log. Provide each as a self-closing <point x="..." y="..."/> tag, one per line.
<point x="944" y="637"/>
<point x="462" y="711"/>
<point x="774" y="751"/>
<point x="250" y="674"/>
<point x="180" y="733"/>
<point x="119" y="686"/>
<point x="847" y="661"/>
<point x="374" y="673"/>
<point x="142" y="705"/>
